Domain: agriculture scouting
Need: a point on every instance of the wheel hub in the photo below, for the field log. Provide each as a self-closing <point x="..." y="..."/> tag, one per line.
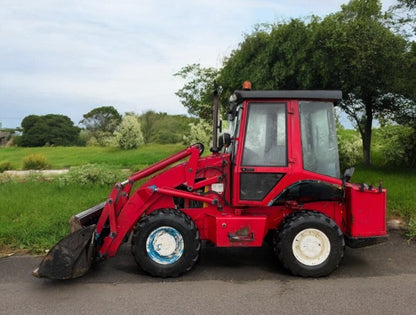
<point x="165" y="245"/>
<point x="311" y="247"/>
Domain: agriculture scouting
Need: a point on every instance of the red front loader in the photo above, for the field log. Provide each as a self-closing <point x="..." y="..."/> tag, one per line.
<point x="275" y="176"/>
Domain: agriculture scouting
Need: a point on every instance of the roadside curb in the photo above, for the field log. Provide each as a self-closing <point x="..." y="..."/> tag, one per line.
<point x="31" y="172"/>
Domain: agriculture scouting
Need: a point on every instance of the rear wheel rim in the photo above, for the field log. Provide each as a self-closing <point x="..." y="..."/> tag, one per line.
<point x="165" y="245"/>
<point x="311" y="247"/>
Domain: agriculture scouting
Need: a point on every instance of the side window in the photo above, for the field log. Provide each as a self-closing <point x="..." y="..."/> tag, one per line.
<point x="265" y="139"/>
<point x="256" y="186"/>
<point x="319" y="139"/>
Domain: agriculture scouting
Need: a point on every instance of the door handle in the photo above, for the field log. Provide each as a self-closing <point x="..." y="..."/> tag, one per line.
<point x="247" y="169"/>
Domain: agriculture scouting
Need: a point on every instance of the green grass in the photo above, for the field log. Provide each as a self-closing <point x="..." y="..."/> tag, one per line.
<point x="349" y="134"/>
<point x="64" y="157"/>
<point x="35" y="215"/>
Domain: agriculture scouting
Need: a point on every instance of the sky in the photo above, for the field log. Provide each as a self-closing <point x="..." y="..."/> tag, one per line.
<point x="69" y="57"/>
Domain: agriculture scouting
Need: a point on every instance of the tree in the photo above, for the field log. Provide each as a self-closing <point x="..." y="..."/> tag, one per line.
<point x="163" y="128"/>
<point x="351" y="50"/>
<point x="101" y="122"/>
<point x="148" y="122"/>
<point x="197" y="93"/>
<point x="104" y="118"/>
<point x="49" y="129"/>
<point x="128" y="133"/>
<point x="251" y="61"/>
<point x="365" y="59"/>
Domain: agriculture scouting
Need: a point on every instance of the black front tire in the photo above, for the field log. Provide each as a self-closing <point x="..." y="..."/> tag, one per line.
<point x="166" y="243"/>
<point x="309" y="244"/>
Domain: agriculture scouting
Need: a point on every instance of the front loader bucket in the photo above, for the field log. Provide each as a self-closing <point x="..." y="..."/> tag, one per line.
<point x="70" y="258"/>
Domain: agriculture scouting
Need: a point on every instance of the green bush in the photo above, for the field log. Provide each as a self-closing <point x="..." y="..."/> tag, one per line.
<point x="129" y="133"/>
<point x="5" y="166"/>
<point x="91" y="174"/>
<point x="35" y="162"/>
<point x="399" y="148"/>
<point x="412" y="227"/>
<point x="199" y="132"/>
<point x="350" y="149"/>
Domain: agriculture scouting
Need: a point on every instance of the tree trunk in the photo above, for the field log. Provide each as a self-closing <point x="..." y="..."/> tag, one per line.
<point x="367" y="135"/>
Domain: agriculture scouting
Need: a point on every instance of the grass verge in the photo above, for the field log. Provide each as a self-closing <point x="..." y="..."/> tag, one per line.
<point x="34" y="215"/>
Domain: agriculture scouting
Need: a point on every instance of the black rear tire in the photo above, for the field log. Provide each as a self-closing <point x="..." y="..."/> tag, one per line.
<point x="309" y="244"/>
<point x="166" y="243"/>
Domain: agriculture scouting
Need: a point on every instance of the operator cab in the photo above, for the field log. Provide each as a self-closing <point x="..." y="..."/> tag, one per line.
<point x="279" y="138"/>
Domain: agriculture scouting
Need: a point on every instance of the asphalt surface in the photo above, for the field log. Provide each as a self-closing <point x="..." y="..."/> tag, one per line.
<point x="375" y="280"/>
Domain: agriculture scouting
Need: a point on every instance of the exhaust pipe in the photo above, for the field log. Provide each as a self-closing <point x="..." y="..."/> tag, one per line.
<point x="214" y="147"/>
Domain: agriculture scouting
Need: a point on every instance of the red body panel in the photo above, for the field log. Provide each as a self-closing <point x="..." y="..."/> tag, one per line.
<point x="230" y="230"/>
<point x="366" y="211"/>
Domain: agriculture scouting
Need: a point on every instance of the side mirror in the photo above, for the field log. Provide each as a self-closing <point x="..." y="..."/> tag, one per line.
<point x="224" y="140"/>
<point x="348" y="174"/>
<point x="232" y="111"/>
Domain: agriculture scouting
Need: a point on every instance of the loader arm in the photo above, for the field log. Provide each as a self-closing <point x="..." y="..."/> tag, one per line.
<point x="120" y="212"/>
<point x="158" y="192"/>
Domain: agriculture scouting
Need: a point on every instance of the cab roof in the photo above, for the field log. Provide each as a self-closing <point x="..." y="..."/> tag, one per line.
<point x="332" y="95"/>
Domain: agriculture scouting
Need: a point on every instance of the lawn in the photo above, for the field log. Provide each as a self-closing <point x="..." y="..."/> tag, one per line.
<point x="35" y="215"/>
<point x="64" y="157"/>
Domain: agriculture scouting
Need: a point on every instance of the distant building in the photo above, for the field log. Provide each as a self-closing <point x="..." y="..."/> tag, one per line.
<point x="4" y="137"/>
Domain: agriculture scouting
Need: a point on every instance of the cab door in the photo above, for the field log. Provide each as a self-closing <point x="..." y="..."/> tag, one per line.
<point x="262" y="158"/>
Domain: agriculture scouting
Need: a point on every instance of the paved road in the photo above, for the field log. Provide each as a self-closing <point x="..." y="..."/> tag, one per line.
<point x="374" y="280"/>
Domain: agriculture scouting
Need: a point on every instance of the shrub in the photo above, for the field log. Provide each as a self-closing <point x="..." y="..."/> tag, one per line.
<point x="35" y="162"/>
<point x="129" y="133"/>
<point x="90" y="174"/>
<point x="350" y="150"/>
<point x="5" y="166"/>
<point x="17" y="140"/>
<point x="399" y="147"/>
<point x="199" y="132"/>
<point x="412" y="227"/>
<point x="98" y="139"/>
